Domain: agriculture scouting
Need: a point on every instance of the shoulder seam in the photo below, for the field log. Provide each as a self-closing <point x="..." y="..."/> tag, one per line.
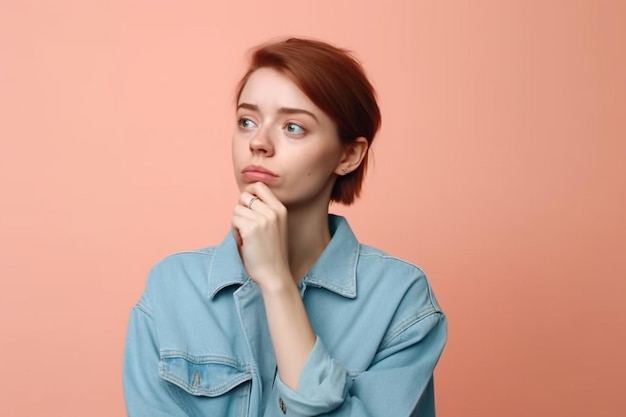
<point x="379" y="254"/>
<point x="407" y="323"/>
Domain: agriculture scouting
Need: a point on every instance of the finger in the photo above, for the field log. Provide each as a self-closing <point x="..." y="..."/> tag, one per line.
<point x="247" y="199"/>
<point x="245" y="212"/>
<point x="242" y="223"/>
<point x="237" y="236"/>
<point x="253" y="203"/>
<point x="264" y="193"/>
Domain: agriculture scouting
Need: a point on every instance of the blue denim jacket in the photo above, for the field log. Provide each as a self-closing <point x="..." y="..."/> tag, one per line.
<point x="198" y="342"/>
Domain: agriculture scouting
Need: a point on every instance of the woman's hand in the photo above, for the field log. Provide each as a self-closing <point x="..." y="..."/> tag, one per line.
<point x="260" y="228"/>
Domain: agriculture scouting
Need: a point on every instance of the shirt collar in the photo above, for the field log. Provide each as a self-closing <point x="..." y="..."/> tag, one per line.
<point x="335" y="269"/>
<point x="226" y="268"/>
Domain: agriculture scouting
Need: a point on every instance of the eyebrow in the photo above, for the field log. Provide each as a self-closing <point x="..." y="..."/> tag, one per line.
<point x="282" y="110"/>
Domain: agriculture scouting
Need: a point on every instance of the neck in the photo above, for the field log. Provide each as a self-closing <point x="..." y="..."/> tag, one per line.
<point x="308" y="236"/>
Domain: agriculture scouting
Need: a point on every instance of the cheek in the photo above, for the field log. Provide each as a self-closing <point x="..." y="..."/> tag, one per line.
<point x="236" y="150"/>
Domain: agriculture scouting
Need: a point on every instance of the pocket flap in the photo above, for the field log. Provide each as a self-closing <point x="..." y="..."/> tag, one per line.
<point x="207" y="375"/>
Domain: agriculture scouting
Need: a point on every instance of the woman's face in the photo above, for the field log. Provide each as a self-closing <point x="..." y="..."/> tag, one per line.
<point x="284" y="140"/>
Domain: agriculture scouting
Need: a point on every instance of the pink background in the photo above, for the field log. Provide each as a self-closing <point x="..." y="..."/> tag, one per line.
<point x="500" y="170"/>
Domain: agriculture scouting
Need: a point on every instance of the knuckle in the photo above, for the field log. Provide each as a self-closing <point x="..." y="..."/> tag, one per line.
<point x="263" y="222"/>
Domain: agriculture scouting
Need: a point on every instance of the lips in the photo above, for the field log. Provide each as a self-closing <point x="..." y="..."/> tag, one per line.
<point x="255" y="173"/>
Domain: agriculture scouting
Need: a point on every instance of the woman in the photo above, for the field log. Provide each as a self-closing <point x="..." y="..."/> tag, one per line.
<point x="290" y="314"/>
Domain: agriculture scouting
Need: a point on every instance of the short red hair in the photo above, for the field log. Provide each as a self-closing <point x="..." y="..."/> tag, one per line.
<point x="336" y="82"/>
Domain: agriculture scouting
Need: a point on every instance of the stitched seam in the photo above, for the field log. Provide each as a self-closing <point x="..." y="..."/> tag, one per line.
<point x="431" y="296"/>
<point x="142" y="307"/>
<point x="211" y="293"/>
<point x="390" y="257"/>
<point x="218" y="390"/>
<point x="203" y="359"/>
<point x="404" y="325"/>
<point x="236" y="380"/>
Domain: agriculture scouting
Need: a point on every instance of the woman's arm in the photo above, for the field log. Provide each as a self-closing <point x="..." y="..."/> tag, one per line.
<point x="290" y="330"/>
<point x="261" y="234"/>
<point x="398" y="383"/>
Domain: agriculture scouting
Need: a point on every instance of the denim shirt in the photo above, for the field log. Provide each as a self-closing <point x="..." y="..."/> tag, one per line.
<point x="198" y="342"/>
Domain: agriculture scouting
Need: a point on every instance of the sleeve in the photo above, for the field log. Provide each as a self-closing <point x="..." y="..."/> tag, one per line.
<point x="399" y="382"/>
<point x="146" y="394"/>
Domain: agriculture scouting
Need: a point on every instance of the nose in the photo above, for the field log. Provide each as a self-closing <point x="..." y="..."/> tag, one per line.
<point x="262" y="143"/>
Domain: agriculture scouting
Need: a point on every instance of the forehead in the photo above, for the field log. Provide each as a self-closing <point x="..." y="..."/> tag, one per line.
<point x="269" y="87"/>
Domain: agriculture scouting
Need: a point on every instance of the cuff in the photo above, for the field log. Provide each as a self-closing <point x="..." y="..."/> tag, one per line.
<point x="322" y="386"/>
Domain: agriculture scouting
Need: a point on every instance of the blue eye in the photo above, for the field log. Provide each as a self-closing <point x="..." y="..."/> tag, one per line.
<point x="246" y="123"/>
<point x="294" y="129"/>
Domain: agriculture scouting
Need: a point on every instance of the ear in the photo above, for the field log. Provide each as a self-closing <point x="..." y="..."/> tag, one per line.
<point x="353" y="154"/>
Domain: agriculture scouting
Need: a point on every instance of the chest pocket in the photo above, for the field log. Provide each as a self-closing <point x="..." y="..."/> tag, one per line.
<point x="207" y="385"/>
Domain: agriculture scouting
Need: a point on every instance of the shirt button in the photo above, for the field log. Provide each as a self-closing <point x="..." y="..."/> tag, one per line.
<point x="282" y="406"/>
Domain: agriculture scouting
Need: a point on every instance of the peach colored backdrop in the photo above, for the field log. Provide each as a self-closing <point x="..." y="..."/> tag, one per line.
<point x="500" y="169"/>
